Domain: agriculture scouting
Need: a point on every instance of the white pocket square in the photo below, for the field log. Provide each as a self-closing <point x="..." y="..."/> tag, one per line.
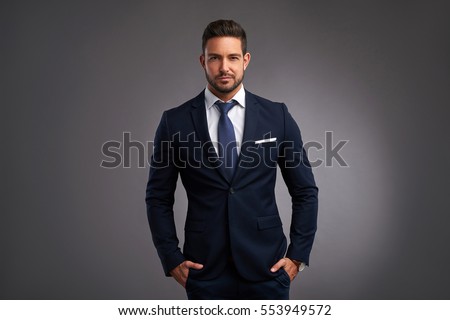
<point x="265" y="140"/>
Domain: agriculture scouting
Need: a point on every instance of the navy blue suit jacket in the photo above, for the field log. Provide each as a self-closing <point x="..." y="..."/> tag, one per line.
<point x="235" y="219"/>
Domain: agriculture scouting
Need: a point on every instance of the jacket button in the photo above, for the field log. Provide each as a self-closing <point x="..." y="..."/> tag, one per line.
<point x="231" y="190"/>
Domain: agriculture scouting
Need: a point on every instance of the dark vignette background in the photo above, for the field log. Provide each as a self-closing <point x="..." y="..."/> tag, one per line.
<point x="76" y="74"/>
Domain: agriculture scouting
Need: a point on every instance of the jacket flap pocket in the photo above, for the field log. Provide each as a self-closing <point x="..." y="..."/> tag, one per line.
<point x="193" y="225"/>
<point x="269" y="222"/>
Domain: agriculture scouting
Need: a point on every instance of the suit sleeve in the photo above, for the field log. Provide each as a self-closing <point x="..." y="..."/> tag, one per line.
<point x="160" y="191"/>
<point x="299" y="179"/>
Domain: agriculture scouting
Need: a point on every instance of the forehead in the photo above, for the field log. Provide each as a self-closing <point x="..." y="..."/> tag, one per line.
<point x="223" y="45"/>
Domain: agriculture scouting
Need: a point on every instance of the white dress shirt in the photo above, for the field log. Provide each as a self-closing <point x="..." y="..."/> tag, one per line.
<point x="236" y="115"/>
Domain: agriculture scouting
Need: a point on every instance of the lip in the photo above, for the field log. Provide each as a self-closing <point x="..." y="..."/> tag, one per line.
<point x="224" y="78"/>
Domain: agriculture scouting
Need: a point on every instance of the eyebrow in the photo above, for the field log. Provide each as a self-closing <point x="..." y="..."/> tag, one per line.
<point x="229" y="55"/>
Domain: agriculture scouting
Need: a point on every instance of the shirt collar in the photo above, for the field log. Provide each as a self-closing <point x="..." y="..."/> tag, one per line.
<point x="210" y="98"/>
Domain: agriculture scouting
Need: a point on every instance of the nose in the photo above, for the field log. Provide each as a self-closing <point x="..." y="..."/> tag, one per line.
<point x="224" y="66"/>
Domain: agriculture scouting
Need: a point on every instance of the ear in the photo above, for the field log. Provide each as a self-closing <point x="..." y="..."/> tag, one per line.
<point x="202" y="61"/>
<point x="247" y="58"/>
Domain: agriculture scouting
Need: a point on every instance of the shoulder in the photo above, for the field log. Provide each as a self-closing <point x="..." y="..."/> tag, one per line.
<point x="253" y="98"/>
<point x="275" y="112"/>
<point x="272" y="109"/>
<point x="196" y="102"/>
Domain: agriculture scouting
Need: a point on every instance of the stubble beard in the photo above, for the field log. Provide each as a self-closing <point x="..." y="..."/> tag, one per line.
<point x="222" y="89"/>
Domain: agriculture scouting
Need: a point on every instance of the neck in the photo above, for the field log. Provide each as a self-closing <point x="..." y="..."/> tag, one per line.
<point x="224" y="96"/>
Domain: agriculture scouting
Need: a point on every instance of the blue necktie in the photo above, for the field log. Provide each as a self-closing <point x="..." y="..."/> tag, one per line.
<point x="227" y="139"/>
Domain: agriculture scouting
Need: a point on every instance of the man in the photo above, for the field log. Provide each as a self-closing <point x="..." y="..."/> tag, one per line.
<point x="226" y="144"/>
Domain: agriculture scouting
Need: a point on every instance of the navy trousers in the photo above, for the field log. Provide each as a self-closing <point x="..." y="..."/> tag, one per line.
<point x="230" y="286"/>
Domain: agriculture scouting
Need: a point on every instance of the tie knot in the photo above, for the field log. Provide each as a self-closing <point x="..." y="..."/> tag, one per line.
<point x="224" y="107"/>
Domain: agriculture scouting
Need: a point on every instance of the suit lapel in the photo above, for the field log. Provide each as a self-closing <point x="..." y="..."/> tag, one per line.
<point x="251" y="117"/>
<point x="198" y="114"/>
<point x="252" y="109"/>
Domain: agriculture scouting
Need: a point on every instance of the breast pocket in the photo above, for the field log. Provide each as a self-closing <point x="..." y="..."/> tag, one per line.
<point x="259" y="155"/>
<point x="269" y="152"/>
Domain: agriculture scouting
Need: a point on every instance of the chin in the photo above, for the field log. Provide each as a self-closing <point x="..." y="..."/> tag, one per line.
<point x="226" y="89"/>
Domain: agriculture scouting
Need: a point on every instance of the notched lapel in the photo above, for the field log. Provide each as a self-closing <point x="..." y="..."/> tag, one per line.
<point x="252" y="109"/>
<point x="198" y="114"/>
<point x="251" y="117"/>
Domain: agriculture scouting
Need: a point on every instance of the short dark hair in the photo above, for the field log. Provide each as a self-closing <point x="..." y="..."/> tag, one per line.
<point x="225" y="28"/>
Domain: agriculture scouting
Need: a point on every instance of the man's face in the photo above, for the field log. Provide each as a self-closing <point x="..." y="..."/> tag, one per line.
<point x="224" y="65"/>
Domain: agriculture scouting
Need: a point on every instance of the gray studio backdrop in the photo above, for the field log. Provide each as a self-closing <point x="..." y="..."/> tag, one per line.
<point x="78" y="74"/>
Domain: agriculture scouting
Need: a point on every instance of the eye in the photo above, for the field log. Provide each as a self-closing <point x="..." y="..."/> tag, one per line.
<point x="212" y="58"/>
